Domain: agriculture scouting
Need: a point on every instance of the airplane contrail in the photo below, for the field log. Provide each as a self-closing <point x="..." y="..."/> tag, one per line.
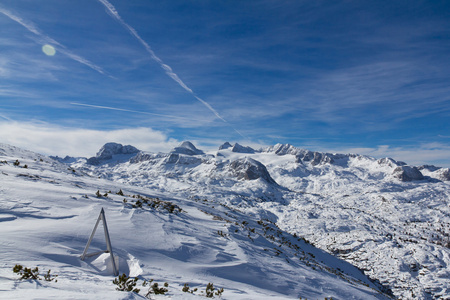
<point x="111" y="10"/>
<point x="6" y="118"/>
<point x="33" y="29"/>
<point x="132" y="111"/>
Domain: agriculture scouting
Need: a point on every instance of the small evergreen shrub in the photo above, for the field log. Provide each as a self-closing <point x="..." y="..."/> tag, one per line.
<point x="49" y="277"/>
<point x="126" y="284"/>
<point x="28" y="273"/>
<point x="16" y="163"/>
<point x="221" y="233"/>
<point x="187" y="289"/>
<point x="154" y="288"/>
<point x="154" y="203"/>
<point x="159" y="290"/>
<point x="210" y="291"/>
<point x="138" y="204"/>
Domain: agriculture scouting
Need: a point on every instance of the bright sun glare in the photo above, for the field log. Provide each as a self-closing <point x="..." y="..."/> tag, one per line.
<point x="48" y="50"/>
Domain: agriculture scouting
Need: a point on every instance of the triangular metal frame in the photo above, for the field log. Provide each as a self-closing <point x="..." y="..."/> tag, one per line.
<point x="108" y="242"/>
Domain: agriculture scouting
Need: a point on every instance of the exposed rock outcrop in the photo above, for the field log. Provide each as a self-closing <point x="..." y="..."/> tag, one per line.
<point x="225" y="145"/>
<point x="242" y="149"/>
<point x="250" y="169"/>
<point x="109" y="150"/>
<point x="407" y="173"/>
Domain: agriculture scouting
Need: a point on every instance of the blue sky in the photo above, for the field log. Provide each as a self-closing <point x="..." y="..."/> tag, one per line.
<point x="369" y="77"/>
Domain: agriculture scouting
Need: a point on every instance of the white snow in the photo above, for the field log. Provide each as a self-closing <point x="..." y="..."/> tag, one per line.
<point x="235" y="233"/>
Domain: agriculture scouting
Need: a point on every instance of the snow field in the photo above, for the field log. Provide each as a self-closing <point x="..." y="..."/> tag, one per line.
<point x="47" y="213"/>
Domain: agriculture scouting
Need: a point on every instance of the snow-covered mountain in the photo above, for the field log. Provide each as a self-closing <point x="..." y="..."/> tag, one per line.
<point x="279" y="222"/>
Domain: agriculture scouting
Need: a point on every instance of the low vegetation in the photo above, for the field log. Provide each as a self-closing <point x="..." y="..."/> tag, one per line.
<point x="127" y="284"/>
<point x="28" y="273"/>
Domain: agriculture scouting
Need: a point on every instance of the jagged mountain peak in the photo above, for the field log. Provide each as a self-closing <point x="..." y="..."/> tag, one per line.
<point x="242" y="149"/>
<point x="115" y="148"/>
<point x="187" y="148"/>
<point x="237" y="148"/>
<point x="282" y="149"/>
<point x="210" y="240"/>
<point x="109" y="150"/>
<point x="387" y="161"/>
<point x="225" y="145"/>
<point x="388" y="218"/>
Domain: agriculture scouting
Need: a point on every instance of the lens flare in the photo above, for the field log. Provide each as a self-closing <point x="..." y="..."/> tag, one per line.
<point x="48" y="50"/>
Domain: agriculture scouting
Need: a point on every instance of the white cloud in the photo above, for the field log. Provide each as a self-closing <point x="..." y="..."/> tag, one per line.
<point x="426" y="153"/>
<point x="54" y="140"/>
<point x="48" y="40"/>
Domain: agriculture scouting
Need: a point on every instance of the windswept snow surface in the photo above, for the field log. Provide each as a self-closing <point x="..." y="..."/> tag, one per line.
<point x="247" y="223"/>
<point x="48" y="210"/>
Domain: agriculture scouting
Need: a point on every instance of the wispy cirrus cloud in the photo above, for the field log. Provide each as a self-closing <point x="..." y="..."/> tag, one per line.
<point x="132" y="111"/>
<point x="51" y="139"/>
<point x="46" y="39"/>
<point x="423" y="153"/>
<point x="378" y="95"/>
<point x="168" y="70"/>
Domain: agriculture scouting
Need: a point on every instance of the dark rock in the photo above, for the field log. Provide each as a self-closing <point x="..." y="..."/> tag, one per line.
<point x="225" y="145"/>
<point x="109" y="150"/>
<point x="242" y="149"/>
<point x="407" y="173"/>
<point x="250" y="169"/>
<point x="315" y="158"/>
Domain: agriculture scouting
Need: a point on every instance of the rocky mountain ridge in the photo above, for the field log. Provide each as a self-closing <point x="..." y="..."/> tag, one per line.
<point x="186" y="151"/>
<point x="388" y="218"/>
<point x="359" y="208"/>
<point x="194" y="220"/>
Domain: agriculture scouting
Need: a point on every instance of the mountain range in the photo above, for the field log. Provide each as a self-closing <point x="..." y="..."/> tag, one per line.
<point x="279" y="222"/>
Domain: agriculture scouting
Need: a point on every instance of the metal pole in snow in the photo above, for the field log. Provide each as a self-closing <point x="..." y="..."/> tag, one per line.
<point x="108" y="242"/>
<point x="107" y="239"/>
<point x="83" y="256"/>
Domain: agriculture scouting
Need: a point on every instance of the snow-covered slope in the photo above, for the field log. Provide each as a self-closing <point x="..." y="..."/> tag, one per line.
<point x="387" y="218"/>
<point x="226" y="229"/>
